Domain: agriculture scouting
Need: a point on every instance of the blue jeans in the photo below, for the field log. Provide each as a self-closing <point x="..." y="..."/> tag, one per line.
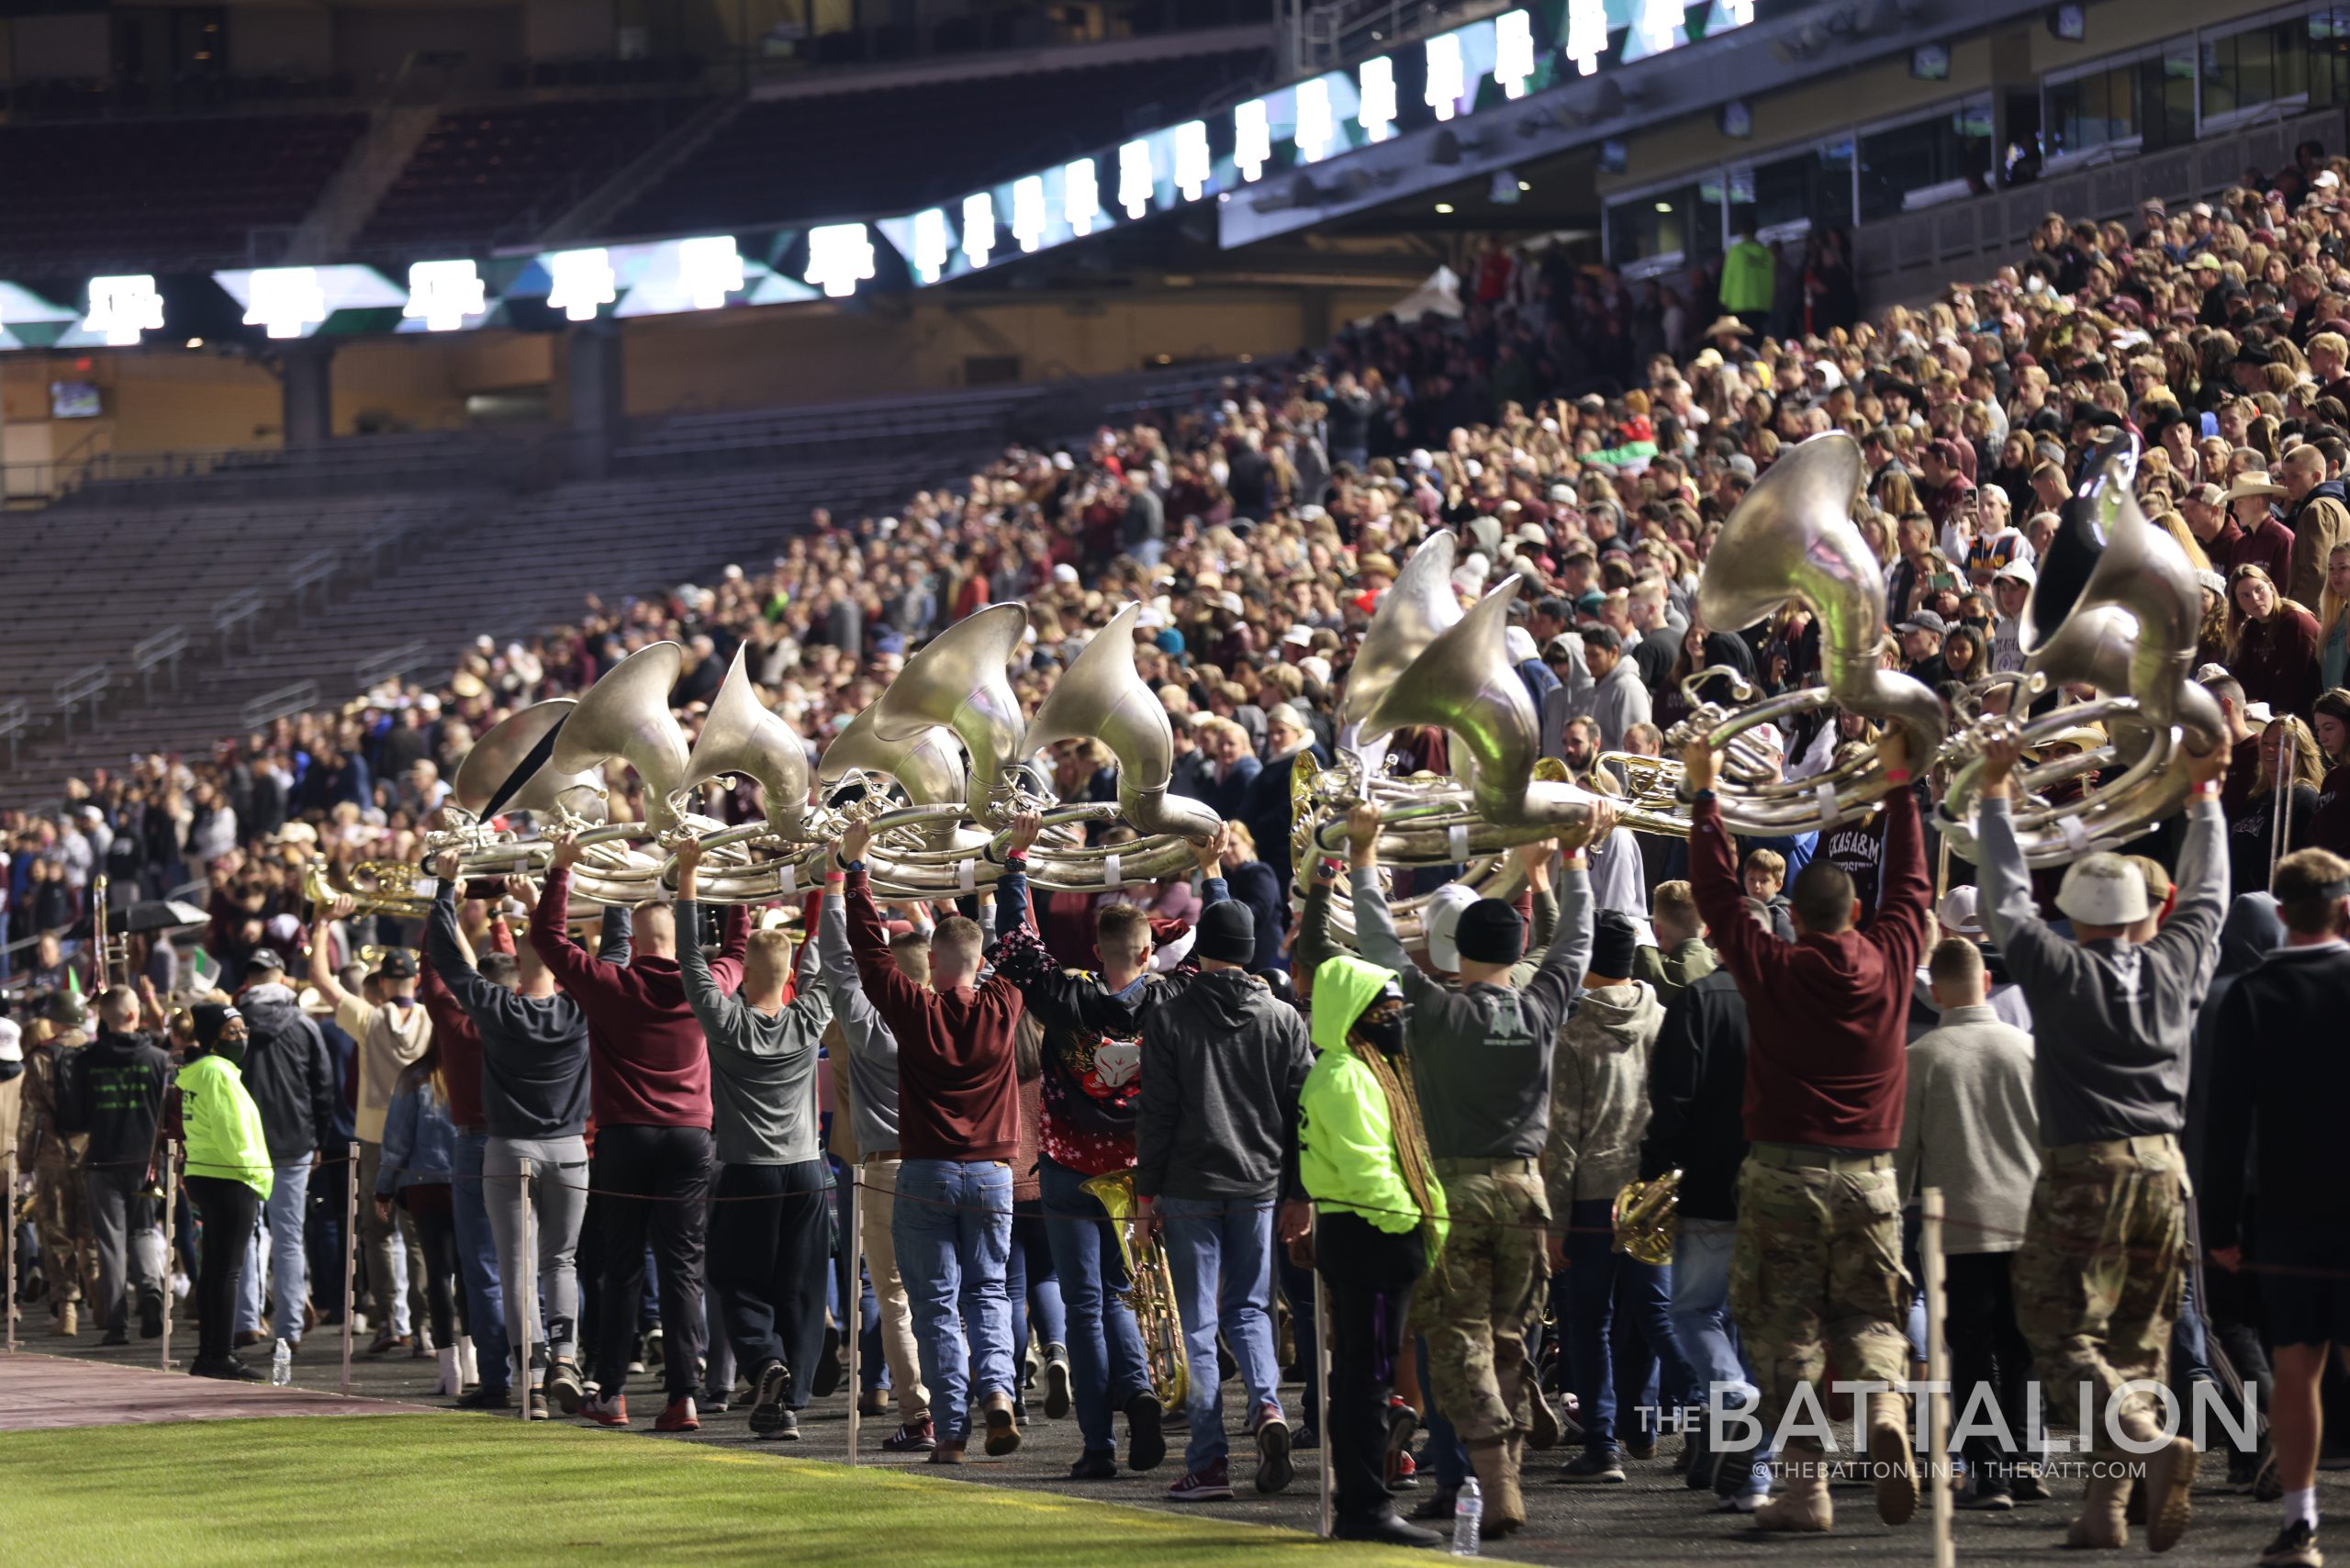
<point x="1106" y="1361"/>
<point x="1221" y="1253"/>
<point x="1619" y="1332"/>
<point x="1701" y="1322"/>
<point x="952" y="1227"/>
<point x="1031" y="1281"/>
<point x="477" y="1263"/>
<point x="282" y="1217"/>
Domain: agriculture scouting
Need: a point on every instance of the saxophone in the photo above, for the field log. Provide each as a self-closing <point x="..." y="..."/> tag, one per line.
<point x="1150" y="1290"/>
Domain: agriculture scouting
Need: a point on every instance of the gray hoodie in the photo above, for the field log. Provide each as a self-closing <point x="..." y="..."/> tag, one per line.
<point x="762" y="1067"/>
<point x="1599" y="1094"/>
<point x="1968" y="1127"/>
<point x="872" y="1049"/>
<point x="1223" y="1062"/>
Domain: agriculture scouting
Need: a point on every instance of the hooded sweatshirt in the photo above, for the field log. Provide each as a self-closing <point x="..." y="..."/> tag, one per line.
<point x="2286" y="1081"/>
<point x="531" y="1082"/>
<point x="1218" y="1115"/>
<point x="1599" y="1096"/>
<point x="763" y="1066"/>
<point x="287" y="1073"/>
<point x="1670" y="974"/>
<point x="123" y="1078"/>
<point x="2249" y="933"/>
<point x="1345" y="1137"/>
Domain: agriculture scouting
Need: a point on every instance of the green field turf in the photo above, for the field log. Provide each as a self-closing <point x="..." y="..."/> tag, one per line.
<point x="393" y="1490"/>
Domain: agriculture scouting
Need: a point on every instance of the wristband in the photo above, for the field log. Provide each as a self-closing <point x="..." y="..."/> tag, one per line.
<point x="2205" y="791"/>
<point x="1018" y="858"/>
<point x="1897" y="776"/>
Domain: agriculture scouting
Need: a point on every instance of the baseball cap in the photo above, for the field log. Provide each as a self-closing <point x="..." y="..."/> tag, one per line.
<point x="1441" y="920"/>
<point x="1064" y="573"/>
<point x="1299" y="636"/>
<point x="399" y="964"/>
<point x="1924" y="620"/>
<point x="2017" y="572"/>
<point x="1961" y="911"/>
<point x="265" y="958"/>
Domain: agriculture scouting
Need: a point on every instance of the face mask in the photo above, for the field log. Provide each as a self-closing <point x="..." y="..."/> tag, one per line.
<point x="231" y="1051"/>
<point x="1387" y="1037"/>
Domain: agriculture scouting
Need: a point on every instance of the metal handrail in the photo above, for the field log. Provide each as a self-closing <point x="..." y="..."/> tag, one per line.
<point x="89" y="682"/>
<point x="284" y="703"/>
<point x="390" y="662"/>
<point x="161" y="649"/>
<point x="313" y="570"/>
<point x="16" y="717"/>
<point x="239" y="608"/>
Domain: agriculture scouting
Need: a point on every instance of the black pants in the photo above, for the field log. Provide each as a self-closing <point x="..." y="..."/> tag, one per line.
<point x="1370" y="1273"/>
<point x="668" y="1171"/>
<point x="227" y="1210"/>
<point x="428" y="1204"/>
<point x="1987" y="1348"/>
<point x="769" y="1232"/>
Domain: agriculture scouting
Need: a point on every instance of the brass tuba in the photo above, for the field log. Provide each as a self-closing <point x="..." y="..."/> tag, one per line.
<point x="2116" y="608"/>
<point x="625" y="718"/>
<point x="1793" y="537"/>
<point x="740" y="735"/>
<point x="1150" y="1290"/>
<point x="1647" y="1219"/>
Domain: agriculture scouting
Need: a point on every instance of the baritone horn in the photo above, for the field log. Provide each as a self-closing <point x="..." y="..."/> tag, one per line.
<point x="1647" y="1219"/>
<point x="1150" y="1289"/>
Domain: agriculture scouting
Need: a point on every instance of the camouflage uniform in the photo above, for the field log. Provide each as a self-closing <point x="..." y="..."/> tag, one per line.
<point x="1479" y="1306"/>
<point x="2099" y="1277"/>
<point x="1815" y="1274"/>
<point x="60" y="1210"/>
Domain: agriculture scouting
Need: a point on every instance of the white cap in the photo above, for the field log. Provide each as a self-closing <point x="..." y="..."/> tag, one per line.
<point x="11" y="1041"/>
<point x="1440" y="918"/>
<point x="1064" y="573"/>
<point x="1316" y="665"/>
<point x="1299" y="634"/>
<point x="2102" y="890"/>
<point x="1150" y="618"/>
<point x="1519" y="643"/>
<point x="2017" y="572"/>
<point x="1960" y="911"/>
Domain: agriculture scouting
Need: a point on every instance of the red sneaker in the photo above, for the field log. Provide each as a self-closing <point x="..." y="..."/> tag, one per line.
<point x="679" y="1416"/>
<point x="918" y="1437"/>
<point x="1210" y="1485"/>
<point x="607" y="1410"/>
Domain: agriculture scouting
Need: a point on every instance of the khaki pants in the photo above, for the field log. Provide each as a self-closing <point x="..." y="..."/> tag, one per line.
<point x="876" y="1204"/>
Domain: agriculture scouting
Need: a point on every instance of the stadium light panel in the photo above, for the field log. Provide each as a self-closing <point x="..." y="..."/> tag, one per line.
<point x="932" y="245"/>
<point x="1448" y="75"/>
<point x="284" y="300"/>
<point x="1376" y="82"/>
<point x="1252" y="139"/>
<point x="708" y="268"/>
<point x="1080" y="195"/>
<point x="978" y="228"/>
<point x="1136" y="179"/>
<point x="1317" y="126"/>
<point x="122" y="307"/>
<point x="580" y="283"/>
<point x="1656" y="28"/>
<point x="839" y="256"/>
<point x="1028" y="219"/>
<point x="1513" y="52"/>
<point x="443" y="293"/>
<point x="1192" y="163"/>
<point x="1586" y="34"/>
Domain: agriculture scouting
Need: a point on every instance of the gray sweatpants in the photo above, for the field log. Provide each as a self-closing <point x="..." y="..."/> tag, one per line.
<point x="558" y="1189"/>
<point x="129" y="1242"/>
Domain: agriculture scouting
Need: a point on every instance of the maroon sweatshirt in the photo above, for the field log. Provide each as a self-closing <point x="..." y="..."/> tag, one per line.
<point x="458" y="1040"/>
<point x="959" y="1093"/>
<point x="1827" y="1058"/>
<point x="649" y="1066"/>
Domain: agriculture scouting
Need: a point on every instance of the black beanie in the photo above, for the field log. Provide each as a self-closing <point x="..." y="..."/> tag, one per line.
<point x="1490" y="933"/>
<point x="210" y="1018"/>
<point x="1227" y="933"/>
<point x="1614" y="939"/>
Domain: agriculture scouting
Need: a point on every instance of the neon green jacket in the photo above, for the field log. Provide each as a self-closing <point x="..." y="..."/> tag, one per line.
<point x="1748" y="273"/>
<point x="1345" y="1140"/>
<point x="223" y="1125"/>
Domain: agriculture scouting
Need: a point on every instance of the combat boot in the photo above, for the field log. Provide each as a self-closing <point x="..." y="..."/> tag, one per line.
<point x="1802" y="1505"/>
<point x="1497" y="1474"/>
<point x="2103" y="1523"/>
<point x="2169" y="1479"/>
<point x="68" y="1321"/>
<point x="1895" y="1467"/>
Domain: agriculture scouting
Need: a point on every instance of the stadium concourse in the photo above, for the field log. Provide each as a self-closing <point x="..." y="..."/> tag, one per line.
<point x="1813" y="1028"/>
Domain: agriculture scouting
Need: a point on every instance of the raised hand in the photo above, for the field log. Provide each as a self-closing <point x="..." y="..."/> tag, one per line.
<point x="856" y="841"/>
<point x="567" y="851"/>
<point x="1025" y="826"/>
<point x="1700" y="766"/>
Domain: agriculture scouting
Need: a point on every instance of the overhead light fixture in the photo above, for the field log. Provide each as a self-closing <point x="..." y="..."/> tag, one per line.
<point x="1665" y="207"/>
<point x="1525" y="185"/>
<point x="1444" y="207"/>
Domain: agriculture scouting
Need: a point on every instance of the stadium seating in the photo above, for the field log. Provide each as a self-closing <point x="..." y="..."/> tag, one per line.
<point x="857" y="155"/>
<point x="479" y="170"/>
<point x="161" y="195"/>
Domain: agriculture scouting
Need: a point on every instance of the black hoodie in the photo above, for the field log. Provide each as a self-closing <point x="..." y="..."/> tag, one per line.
<point x="1225" y="1060"/>
<point x="287" y="1073"/>
<point x="122" y="1078"/>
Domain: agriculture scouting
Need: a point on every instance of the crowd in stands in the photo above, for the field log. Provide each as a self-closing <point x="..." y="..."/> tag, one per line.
<point x="1585" y="434"/>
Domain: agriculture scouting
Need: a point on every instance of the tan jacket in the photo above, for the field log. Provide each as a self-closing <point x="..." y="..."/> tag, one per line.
<point x="390" y="1039"/>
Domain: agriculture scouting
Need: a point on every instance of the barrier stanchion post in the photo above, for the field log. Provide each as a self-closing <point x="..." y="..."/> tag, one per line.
<point x="9" y="1193"/>
<point x="1936" y="1471"/>
<point x="527" y="1316"/>
<point x="853" y="1316"/>
<point x="349" y="1255"/>
<point x="1322" y="1416"/>
<point x="170" y="1233"/>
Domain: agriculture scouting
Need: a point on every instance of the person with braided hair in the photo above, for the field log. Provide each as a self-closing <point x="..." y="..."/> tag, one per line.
<point x="1379" y="1223"/>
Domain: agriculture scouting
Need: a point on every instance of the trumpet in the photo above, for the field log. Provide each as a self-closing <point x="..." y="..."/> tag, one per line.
<point x="382" y="886"/>
<point x="1647" y="1219"/>
<point x="1150" y="1290"/>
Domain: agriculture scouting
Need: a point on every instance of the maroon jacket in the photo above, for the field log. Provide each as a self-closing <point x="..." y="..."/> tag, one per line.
<point x="454" y="1034"/>
<point x="1827" y="1061"/>
<point x="649" y="1066"/>
<point x="959" y="1093"/>
<point x="2268" y="547"/>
